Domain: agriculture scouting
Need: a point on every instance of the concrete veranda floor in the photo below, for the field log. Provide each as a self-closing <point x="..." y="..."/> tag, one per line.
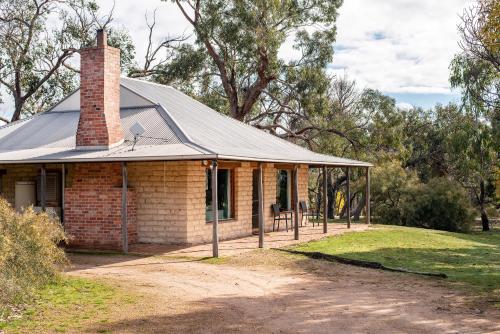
<point x="246" y="244"/>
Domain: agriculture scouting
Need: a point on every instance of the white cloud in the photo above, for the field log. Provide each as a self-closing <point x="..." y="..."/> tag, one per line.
<point x="396" y="46"/>
<point x="404" y="105"/>
<point x="130" y="14"/>
<point x="402" y="46"/>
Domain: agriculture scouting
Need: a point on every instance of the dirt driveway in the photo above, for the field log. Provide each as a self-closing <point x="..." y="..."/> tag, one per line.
<point x="266" y="292"/>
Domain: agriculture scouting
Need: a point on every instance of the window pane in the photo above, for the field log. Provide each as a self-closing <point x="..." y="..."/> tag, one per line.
<point x="283" y="189"/>
<point x="224" y="194"/>
<point x="2" y="173"/>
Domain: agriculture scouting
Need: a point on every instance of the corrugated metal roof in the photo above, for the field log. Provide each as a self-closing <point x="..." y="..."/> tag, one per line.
<point x="47" y="130"/>
<point x="121" y="153"/>
<point x="158" y="132"/>
<point x="223" y="135"/>
<point x="177" y="127"/>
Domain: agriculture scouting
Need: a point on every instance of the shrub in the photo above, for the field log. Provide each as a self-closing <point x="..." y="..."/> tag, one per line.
<point x="440" y="204"/>
<point x="29" y="255"/>
<point x="389" y="186"/>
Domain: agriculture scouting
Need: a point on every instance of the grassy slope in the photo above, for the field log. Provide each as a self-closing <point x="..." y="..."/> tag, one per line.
<point x="67" y="305"/>
<point x="472" y="259"/>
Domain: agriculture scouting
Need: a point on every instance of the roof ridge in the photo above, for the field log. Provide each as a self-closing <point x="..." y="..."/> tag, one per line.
<point x="171" y="119"/>
<point x="21" y="120"/>
<point x="145" y="81"/>
<point x="240" y="122"/>
<point x="174" y="124"/>
<point x="52" y="107"/>
<point x="206" y="108"/>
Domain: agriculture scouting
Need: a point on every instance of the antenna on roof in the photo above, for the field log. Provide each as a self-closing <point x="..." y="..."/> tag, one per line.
<point x="137" y="130"/>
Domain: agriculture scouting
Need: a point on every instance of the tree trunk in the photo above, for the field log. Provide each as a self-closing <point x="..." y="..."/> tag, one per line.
<point x="360" y="207"/>
<point x="332" y="194"/>
<point x="331" y="197"/>
<point x="18" y="106"/>
<point x="343" y="213"/>
<point x="484" y="220"/>
<point x="319" y="198"/>
<point x="335" y="208"/>
<point x="484" y="216"/>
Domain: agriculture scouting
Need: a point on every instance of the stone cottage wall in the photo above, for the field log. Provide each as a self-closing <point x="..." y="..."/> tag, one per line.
<point x="199" y="231"/>
<point x="166" y="201"/>
<point x="161" y="200"/>
<point x="171" y="201"/>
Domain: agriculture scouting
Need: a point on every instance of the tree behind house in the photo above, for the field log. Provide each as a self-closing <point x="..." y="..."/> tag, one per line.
<point x="39" y="40"/>
<point x="476" y="71"/>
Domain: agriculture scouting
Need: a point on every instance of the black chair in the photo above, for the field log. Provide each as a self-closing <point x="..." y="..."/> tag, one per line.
<point x="281" y="215"/>
<point x="306" y="213"/>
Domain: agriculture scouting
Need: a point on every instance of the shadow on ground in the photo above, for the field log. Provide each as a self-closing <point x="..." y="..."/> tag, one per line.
<point x="252" y="293"/>
<point x="347" y="303"/>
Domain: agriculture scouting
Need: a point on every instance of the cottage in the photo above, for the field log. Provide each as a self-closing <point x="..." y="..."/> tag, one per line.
<point x="122" y="161"/>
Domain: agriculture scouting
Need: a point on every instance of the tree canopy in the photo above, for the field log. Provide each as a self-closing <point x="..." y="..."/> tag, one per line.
<point x="39" y="39"/>
<point x="266" y="63"/>
<point x="238" y="48"/>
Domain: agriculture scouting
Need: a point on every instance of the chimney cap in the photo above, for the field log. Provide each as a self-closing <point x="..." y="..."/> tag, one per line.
<point x="102" y="38"/>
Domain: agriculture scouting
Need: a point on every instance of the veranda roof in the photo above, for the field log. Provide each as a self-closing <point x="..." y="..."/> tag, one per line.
<point x="177" y="127"/>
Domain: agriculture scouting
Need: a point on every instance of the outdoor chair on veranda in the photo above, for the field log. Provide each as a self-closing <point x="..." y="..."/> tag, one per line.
<point x="306" y="213"/>
<point x="282" y="215"/>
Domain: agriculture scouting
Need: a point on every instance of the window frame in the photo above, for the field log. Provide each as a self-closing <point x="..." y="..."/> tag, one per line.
<point x="289" y="193"/>
<point x="2" y="173"/>
<point x="230" y="194"/>
<point x="51" y="176"/>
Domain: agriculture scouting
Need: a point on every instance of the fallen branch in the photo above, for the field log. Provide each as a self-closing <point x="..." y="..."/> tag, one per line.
<point x="359" y="263"/>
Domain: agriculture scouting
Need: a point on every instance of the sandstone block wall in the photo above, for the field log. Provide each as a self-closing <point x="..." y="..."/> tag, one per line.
<point x="166" y="201"/>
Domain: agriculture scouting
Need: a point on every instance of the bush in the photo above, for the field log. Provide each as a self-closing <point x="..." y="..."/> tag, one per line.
<point x="389" y="186"/>
<point x="440" y="204"/>
<point x="400" y="199"/>
<point x="29" y="255"/>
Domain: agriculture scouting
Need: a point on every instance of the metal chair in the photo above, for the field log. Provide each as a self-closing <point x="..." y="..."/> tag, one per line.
<point x="281" y="215"/>
<point x="306" y="213"/>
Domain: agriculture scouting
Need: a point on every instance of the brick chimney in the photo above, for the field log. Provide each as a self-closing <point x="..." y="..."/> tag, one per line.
<point x="99" y="126"/>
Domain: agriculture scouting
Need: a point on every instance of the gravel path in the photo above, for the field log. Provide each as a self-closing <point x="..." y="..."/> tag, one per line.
<point x="266" y="292"/>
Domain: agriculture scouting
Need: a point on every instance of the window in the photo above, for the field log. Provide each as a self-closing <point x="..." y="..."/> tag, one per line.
<point x="53" y="189"/>
<point x="224" y="192"/>
<point x="2" y="173"/>
<point x="284" y="189"/>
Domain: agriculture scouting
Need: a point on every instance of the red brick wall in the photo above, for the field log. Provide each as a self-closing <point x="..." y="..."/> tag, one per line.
<point x="99" y="123"/>
<point x="93" y="207"/>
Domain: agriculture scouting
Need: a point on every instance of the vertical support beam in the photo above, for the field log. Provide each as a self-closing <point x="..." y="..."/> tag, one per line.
<point x="63" y="186"/>
<point x="43" y="186"/>
<point x="261" y="206"/>
<point x="367" y="195"/>
<point x="348" y="196"/>
<point x="215" y="211"/>
<point x="325" y="200"/>
<point x="296" y="200"/>
<point x="124" y="208"/>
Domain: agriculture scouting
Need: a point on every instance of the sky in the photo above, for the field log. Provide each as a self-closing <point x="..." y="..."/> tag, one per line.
<point x="402" y="48"/>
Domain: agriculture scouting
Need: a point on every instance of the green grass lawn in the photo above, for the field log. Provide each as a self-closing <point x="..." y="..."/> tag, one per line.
<point x="66" y="305"/>
<point x="471" y="259"/>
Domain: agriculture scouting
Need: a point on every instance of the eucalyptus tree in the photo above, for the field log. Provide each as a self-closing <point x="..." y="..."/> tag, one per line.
<point x="476" y="72"/>
<point x="39" y="39"/>
<point x="238" y="50"/>
<point x="470" y="156"/>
